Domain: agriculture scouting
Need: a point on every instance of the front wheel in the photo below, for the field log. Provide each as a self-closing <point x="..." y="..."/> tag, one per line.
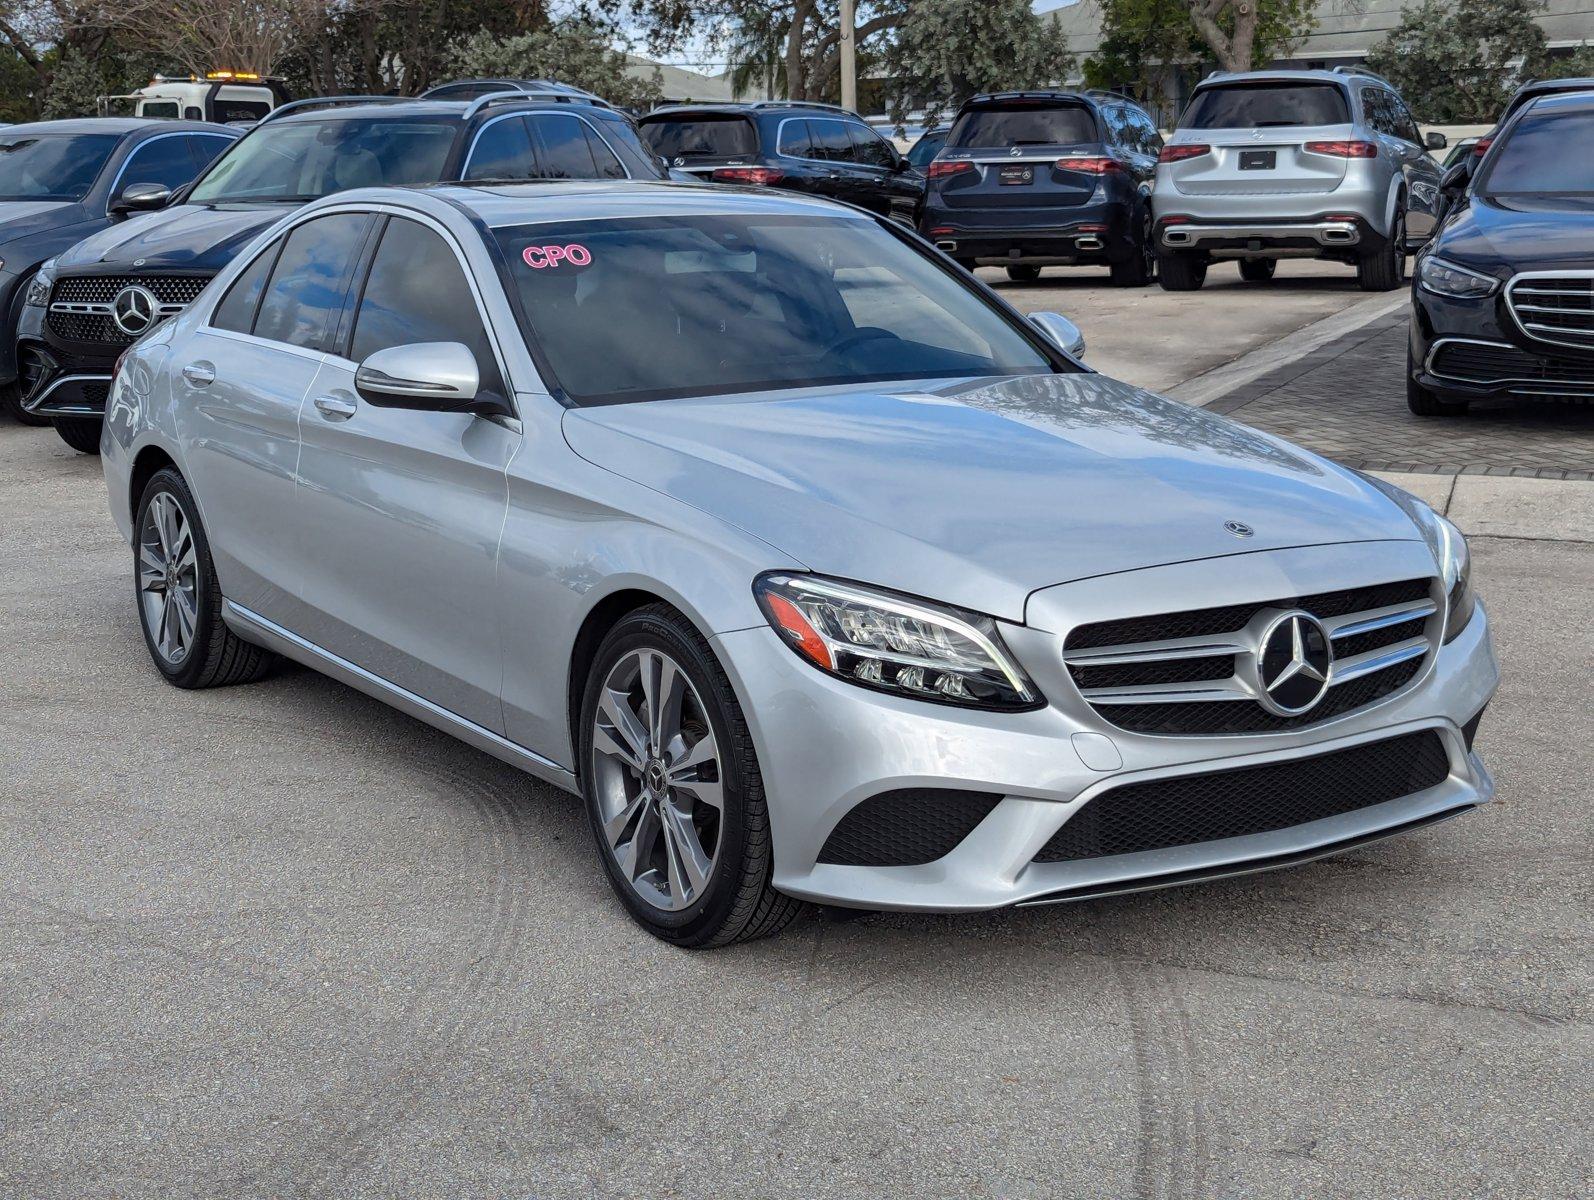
<point x="1181" y="272"/>
<point x="673" y="788"/>
<point x="11" y="405"/>
<point x="1424" y="403"/>
<point x="81" y="433"/>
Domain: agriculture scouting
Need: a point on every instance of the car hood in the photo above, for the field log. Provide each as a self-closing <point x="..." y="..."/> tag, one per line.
<point x="19" y="218"/>
<point x="981" y="492"/>
<point x="1502" y="235"/>
<point x="187" y="237"/>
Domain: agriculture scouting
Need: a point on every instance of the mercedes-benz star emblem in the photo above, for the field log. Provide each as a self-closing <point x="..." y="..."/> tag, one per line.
<point x="1292" y="663"/>
<point x="1015" y="151"/>
<point x="1238" y="528"/>
<point x="134" y="310"/>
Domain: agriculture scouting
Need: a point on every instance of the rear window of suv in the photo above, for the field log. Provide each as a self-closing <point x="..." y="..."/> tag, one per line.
<point x="1031" y="124"/>
<point x="701" y="137"/>
<point x="1266" y="106"/>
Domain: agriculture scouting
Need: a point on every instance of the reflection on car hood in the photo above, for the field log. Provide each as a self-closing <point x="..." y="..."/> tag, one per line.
<point x="188" y="237"/>
<point x="18" y="216"/>
<point x="1502" y="235"/>
<point x="979" y="492"/>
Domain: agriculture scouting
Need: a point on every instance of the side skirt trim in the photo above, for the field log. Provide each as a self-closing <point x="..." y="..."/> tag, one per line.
<point x="251" y="626"/>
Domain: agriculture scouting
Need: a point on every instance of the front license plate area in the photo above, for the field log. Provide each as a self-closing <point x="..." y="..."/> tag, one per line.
<point x="1258" y="160"/>
<point x="1016" y="176"/>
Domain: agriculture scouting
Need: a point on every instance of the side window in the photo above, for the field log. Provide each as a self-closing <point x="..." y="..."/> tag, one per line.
<point x="1150" y="139"/>
<point x="562" y="151"/>
<point x="311" y="276"/>
<point x="237" y="308"/>
<point x="608" y="166"/>
<point x="830" y="141"/>
<point x="1117" y="126"/>
<point x="794" y="140"/>
<point x="164" y="160"/>
<point x="1377" y="110"/>
<point x="870" y="148"/>
<point x="1405" y="123"/>
<point x="417" y="292"/>
<point x="502" y="151"/>
<point x="205" y="148"/>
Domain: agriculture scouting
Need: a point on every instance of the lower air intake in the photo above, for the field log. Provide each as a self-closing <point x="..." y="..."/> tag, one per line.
<point x="1206" y="808"/>
<point x="906" y="828"/>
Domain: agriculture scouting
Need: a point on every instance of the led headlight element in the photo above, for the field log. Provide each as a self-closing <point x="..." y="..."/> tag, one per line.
<point x="1450" y="554"/>
<point x="1446" y="279"/>
<point x="38" y="293"/>
<point x="893" y="643"/>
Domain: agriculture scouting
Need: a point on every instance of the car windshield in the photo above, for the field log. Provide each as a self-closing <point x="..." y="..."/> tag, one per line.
<point x="1266" y="105"/>
<point x="701" y="137"/>
<point x="926" y="148"/>
<point x="47" y="166"/>
<point x="303" y="160"/>
<point x="1533" y="157"/>
<point x="649" y="309"/>
<point x="1025" y="124"/>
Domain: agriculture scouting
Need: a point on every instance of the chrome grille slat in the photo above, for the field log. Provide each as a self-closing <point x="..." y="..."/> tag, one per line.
<point x="1169" y="693"/>
<point x="1169" y="648"/>
<point x="1561" y="309"/>
<point x="1381" y="618"/>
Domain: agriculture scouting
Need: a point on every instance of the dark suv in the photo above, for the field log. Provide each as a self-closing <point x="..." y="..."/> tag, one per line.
<point x="802" y="147"/>
<point x="1034" y="179"/>
<point x="61" y="181"/>
<point x="95" y="300"/>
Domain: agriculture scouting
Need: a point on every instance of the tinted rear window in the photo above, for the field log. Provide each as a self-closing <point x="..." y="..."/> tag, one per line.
<point x="701" y="137"/>
<point x="1266" y="105"/>
<point x="1025" y="125"/>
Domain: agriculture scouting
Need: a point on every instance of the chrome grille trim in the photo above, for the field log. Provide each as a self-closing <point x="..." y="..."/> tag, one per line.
<point x="1565" y="294"/>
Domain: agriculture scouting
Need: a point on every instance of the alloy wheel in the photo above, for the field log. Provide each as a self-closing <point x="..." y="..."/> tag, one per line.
<point x="657" y="779"/>
<point x="168" y="578"/>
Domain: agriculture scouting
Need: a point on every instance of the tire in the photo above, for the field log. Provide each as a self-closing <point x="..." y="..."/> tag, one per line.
<point x="212" y="656"/>
<point x="1138" y="270"/>
<point x="1424" y="403"/>
<point x="1023" y="273"/>
<point x="1181" y="272"/>
<point x="1385" y="269"/>
<point x="11" y="405"/>
<point x="968" y="264"/>
<point x="81" y="433"/>
<point x="733" y="901"/>
<point x="1258" y="270"/>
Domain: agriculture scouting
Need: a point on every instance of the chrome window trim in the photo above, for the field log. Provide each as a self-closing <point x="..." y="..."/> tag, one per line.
<point x="780" y="131"/>
<point x="1525" y="280"/>
<point x="464" y="170"/>
<point x="161" y="137"/>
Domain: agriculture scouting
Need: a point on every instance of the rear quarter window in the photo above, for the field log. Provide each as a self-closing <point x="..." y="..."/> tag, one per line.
<point x="1025" y="125"/>
<point x="1266" y="106"/>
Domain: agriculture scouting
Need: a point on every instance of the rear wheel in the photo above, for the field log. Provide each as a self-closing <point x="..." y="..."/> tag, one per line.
<point x="1181" y="272"/>
<point x="1258" y="270"/>
<point x="11" y="405"/>
<point x="968" y="264"/>
<point x="1385" y="269"/>
<point x="1138" y="270"/>
<point x="81" y="433"/>
<point x="1023" y="273"/>
<point x="1424" y="403"/>
<point x="673" y="787"/>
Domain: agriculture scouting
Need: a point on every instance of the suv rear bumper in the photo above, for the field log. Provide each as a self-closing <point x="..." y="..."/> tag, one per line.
<point x="1089" y="233"/>
<point x="1277" y="238"/>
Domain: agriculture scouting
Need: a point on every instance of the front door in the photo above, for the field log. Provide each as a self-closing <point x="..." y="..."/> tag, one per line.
<point x="405" y="507"/>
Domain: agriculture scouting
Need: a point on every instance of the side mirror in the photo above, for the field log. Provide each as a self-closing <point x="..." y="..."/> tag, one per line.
<point x="1061" y="332"/>
<point x="141" y="197"/>
<point x="1435" y="140"/>
<point x="1454" y="181"/>
<point x="426" y="376"/>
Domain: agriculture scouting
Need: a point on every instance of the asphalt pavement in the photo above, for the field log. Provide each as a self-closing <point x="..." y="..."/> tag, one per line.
<point x="281" y="941"/>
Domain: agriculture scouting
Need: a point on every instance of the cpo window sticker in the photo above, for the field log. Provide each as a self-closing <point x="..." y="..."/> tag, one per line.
<point x="540" y="258"/>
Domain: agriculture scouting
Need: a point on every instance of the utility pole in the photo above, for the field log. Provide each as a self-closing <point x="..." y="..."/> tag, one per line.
<point x="849" y="57"/>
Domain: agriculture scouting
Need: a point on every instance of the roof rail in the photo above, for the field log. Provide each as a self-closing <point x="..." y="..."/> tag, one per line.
<point x="292" y="106"/>
<point x="508" y="97"/>
<point x="800" y="104"/>
<point x="1356" y="69"/>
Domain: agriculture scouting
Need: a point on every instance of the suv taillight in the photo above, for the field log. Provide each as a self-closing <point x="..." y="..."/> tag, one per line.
<point x="758" y="176"/>
<point x="943" y="168"/>
<point x="1481" y="146"/>
<point x="1181" y="152"/>
<point x="1090" y="166"/>
<point x="1347" y="149"/>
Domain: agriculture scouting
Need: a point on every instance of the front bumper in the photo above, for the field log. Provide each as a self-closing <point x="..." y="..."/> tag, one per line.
<point x="1473" y="350"/>
<point x="825" y="746"/>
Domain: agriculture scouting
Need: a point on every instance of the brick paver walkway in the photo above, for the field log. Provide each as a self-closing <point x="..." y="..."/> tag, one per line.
<point x="1348" y="401"/>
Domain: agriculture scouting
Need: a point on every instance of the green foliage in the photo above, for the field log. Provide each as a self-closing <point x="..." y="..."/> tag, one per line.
<point x="947" y="50"/>
<point x="574" y="51"/>
<point x="1458" y="61"/>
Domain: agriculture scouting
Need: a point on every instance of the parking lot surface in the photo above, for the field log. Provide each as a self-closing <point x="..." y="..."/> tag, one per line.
<point x="282" y="941"/>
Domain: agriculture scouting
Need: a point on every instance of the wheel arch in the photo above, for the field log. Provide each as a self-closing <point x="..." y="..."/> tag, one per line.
<point x="146" y="463"/>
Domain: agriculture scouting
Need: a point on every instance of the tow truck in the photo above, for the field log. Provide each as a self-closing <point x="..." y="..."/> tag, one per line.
<point x="224" y="97"/>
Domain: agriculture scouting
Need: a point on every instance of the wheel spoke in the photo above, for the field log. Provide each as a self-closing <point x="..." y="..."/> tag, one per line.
<point x="663" y="689"/>
<point x="686" y="763"/>
<point x="187" y="616"/>
<point x="635" y="855"/>
<point x="151" y="568"/>
<point x="614" y="828"/>
<point x="689" y="864"/>
<point x="632" y="740"/>
<point x="704" y="791"/>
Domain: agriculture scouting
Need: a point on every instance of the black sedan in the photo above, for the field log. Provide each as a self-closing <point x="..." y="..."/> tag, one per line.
<point x="1503" y="305"/>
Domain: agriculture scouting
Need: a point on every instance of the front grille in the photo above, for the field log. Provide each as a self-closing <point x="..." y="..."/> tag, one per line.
<point x="1502" y="366"/>
<point x="1192" y="809"/>
<point x="906" y="828"/>
<point x="1554" y="308"/>
<point x="96" y="292"/>
<point x="1182" y="673"/>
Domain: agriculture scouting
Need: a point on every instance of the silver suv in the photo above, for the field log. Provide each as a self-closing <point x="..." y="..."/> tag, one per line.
<point x="1295" y="164"/>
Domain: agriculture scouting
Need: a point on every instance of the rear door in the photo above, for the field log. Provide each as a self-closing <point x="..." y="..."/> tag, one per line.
<point x="839" y="175"/>
<point x="889" y="188"/>
<point x="1028" y="154"/>
<point x="697" y="142"/>
<point x="1259" y="133"/>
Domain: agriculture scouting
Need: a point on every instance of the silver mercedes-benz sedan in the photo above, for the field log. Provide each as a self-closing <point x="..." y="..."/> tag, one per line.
<point x="815" y="569"/>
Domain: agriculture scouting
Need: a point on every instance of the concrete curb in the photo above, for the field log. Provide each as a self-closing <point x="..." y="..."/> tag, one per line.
<point x="1484" y="506"/>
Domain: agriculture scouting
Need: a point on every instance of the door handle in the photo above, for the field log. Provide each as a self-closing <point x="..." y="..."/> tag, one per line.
<point x="200" y="374"/>
<point x="335" y="408"/>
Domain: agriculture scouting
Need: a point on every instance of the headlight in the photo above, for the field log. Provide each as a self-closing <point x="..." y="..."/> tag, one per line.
<point x="38" y="293"/>
<point x="1447" y="279"/>
<point x="893" y="643"/>
<point x="1450" y="554"/>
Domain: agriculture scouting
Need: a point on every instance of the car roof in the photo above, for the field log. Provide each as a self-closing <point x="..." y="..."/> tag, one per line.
<point x="500" y="102"/>
<point x="116" y="125"/>
<point x="755" y="108"/>
<point x="1576" y="101"/>
<point x="503" y="204"/>
<point x="1340" y="78"/>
